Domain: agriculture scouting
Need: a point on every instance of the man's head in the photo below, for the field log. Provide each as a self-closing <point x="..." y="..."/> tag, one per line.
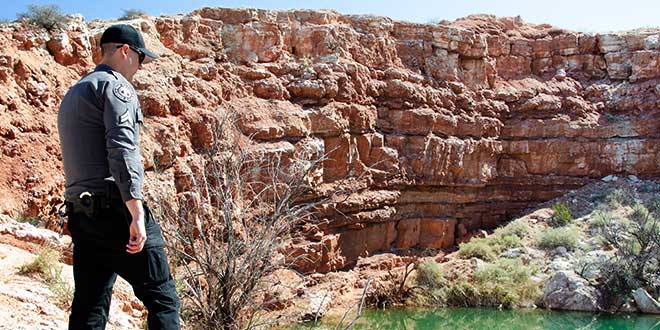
<point x="123" y="49"/>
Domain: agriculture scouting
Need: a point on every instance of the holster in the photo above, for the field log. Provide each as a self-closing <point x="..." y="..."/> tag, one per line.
<point x="87" y="204"/>
<point x="92" y="203"/>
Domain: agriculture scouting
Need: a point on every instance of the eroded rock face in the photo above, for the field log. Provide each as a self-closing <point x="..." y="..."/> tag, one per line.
<point x="442" y="129"/>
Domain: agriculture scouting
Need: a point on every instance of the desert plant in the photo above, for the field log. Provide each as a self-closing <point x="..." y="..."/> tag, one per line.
<point x="516" y="227"/>
<point x="654" y="205"/>
<point x="429" y="275"/>
<point x="504" y="283"/>
<point x="46" y="266"/>
<point x="505" y="242"/>
<point x="461" y="293"/>
<point x="232" y="226"/>
<point x="555" y="237"/>
<point x="476" y="248"/>
<point x="599" y="219"/>
<point x="619" y="197"/>
<point x="636" y="262"/>
<point x="391" y="290"/>
<point x="43" y="264"/>
<point x="488" y="248"/>
<point x="561" y="215"/>
<point x="131" y="13"/>
<point x="48" y="17"/>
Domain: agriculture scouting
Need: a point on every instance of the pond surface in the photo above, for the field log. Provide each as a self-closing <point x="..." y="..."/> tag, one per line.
<point x="492" y="319"/>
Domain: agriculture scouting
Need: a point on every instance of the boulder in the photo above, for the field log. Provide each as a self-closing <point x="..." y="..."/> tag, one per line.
<point x="645" y="302"/>
<point x="566" y="290"/>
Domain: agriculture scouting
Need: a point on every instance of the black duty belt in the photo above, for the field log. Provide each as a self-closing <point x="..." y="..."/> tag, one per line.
<point x="91" y="202"/>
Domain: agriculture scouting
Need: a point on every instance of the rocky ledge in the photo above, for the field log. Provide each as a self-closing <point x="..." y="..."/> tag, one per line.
<point x="443" y="129"/>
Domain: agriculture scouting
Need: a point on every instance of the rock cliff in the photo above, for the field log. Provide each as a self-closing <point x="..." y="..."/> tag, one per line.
<point x="444" y="128"/>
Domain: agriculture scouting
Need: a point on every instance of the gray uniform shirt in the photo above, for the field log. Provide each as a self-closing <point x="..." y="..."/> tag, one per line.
<point x="99" y="128"/>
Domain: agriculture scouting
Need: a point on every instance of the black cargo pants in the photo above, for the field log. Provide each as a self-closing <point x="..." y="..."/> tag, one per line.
<point x="99" y="255"/>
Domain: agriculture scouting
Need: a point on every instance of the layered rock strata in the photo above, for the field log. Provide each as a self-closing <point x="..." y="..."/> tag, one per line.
<point x="442" y="128"/>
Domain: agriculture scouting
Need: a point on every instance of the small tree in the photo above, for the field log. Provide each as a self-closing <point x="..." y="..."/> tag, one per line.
<point x="636" y="262"/>
<point x="231" y="228"/>
<point x="48" y="17"/>
<point x="561" y="215"/>
<point x="131" y="13"/>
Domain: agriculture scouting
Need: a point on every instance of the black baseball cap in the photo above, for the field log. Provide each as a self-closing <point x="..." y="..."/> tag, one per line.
<point x="126" y="34"/>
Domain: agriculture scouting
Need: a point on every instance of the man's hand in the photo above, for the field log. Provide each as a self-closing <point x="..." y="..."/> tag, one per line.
<point x="137" y="229"/>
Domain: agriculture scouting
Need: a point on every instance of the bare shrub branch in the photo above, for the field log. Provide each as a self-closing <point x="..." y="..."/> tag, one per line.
<point x="231" y="227"/>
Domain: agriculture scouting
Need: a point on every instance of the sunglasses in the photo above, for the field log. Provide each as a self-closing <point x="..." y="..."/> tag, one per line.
<point x="140" y="53"/>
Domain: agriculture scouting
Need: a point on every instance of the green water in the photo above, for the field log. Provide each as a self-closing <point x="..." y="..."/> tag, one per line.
<point x="492" y="319"/>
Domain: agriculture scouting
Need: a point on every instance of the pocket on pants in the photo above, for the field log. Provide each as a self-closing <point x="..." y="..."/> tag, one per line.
<point x="157" y="268"/>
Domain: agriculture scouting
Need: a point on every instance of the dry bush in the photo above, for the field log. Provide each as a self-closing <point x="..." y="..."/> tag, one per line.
<point x="392" y="290"/>
<point x="232" y="226"/>
<point x="131" y="13"/>
<point x="48" y="17"/>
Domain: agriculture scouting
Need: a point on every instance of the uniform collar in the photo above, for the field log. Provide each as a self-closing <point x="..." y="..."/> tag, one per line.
<point x="107" y="68"/>
<point x="103" y="67"/>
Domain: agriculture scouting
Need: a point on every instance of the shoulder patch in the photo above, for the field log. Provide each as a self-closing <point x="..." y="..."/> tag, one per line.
<point x="123" y="92"/>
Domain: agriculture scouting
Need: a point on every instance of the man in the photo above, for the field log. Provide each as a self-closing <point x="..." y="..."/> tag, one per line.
<point x="112" y="229"/>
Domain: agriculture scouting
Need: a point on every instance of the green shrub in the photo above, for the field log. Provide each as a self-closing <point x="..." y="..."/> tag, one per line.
<point x="461" y="293"/>
<point x="619" y="197"/>
<point x="636" y="240"/>
<point x="516" y="227"/>
<point x="554" y="237"/>
<point x="503" y="271"/>
<point x="600" y="219"/>
<point x="47" y="16"/>
<point x="476" y="248"/>
<point x="488" y="248"/>
<point x="654" y="204"/>
<point x="504" y="283"/>
<point x="502" y="243"/>
<point x="429" y="275"/>
<point x="562" y="215"/>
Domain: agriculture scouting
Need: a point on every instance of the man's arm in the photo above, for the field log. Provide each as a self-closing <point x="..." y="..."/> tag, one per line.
<point x="137" y="229"/>
<point x="122" y="139"/>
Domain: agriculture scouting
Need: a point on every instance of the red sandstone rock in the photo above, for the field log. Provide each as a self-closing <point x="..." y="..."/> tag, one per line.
<point x="441" y="130"/>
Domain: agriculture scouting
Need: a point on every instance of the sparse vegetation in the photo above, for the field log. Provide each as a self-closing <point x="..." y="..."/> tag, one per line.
<point x="429" y="275"/>
<point x="487" y="248"/>
<point x="636" y="240"/>
<point x="503" y="243"/>
<point x="131" y="13"/>
<point x="555" y="237"/>
<point x="477" y="248"/>
<point x="516" y="227"/>
<point x="48" y="17"/>
<point x="504" y="283"/>
<point x="618" y="198"/>
<point x="392" y="290"/>
<point x="46" y="266"/>
<point x="561" y="215"/>
<point x="33" y="220"/>
<point x="654" y="205"/>
<point x="233" y="224"/>
<point x="600" y="219"/>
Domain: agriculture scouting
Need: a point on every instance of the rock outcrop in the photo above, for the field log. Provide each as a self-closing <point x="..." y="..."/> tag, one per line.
<point x="566" y="290"/>
<point x="443" y="129"/>
<point x="645" y="302"/>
